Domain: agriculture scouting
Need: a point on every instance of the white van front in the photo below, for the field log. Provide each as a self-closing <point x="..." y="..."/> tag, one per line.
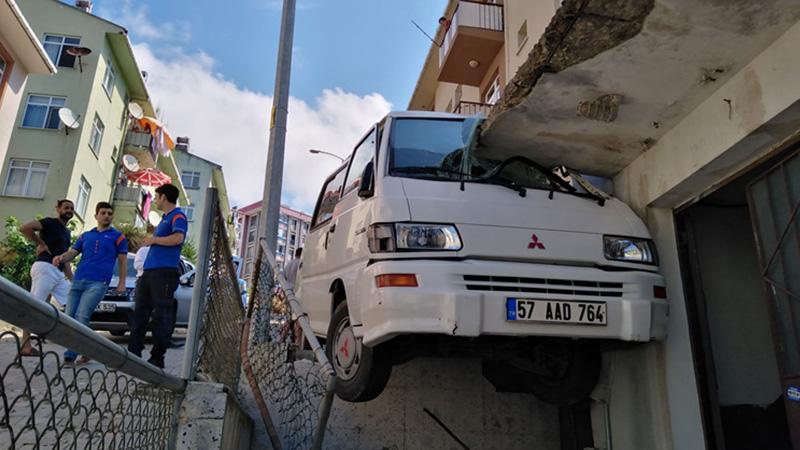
<point x="429" y="235"/>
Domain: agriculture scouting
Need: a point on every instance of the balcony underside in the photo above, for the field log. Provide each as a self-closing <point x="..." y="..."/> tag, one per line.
<point x="470" y="44"/>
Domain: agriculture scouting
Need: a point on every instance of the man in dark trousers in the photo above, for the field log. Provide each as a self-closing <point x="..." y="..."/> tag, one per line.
<point x="156" y="286"/>
<point x="100" y="248"/>
<point x="52" y="237"/>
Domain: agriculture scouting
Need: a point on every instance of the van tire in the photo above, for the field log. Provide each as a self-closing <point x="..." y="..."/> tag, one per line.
<point x="370" y="367"/>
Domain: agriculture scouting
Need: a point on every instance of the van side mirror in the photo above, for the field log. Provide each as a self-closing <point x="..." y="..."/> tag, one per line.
<point x="367" y="187"/>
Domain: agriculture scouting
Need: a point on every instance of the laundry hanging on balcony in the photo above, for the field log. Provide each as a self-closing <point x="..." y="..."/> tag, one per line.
<point x="149" y="177"/>
<point x="162" y="140"/>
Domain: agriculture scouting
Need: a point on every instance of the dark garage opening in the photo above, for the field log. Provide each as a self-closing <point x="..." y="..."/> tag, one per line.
<point x="730" y="321"/>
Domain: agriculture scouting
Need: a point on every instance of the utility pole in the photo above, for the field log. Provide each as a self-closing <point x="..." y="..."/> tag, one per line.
<point x="268" y="225"/>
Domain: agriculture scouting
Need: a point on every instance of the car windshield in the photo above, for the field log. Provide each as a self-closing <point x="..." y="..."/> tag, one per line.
<point x="443" y="149"/>
<point x="131" y="268"/>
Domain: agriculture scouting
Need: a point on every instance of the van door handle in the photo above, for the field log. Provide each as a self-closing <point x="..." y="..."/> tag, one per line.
<point x="332" y="229"/>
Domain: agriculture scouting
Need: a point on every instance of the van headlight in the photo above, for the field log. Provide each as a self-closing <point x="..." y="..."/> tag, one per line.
<point x="628" y="249"/>
<point x="394" y="237"/>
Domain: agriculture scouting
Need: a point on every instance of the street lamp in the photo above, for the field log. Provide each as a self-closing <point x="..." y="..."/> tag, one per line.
<point x="316" y="152"/>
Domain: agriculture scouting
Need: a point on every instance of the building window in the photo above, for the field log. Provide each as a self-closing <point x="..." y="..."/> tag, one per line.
<point x="292" y="224"/>
<point x="84" y="190"/>
<point x="281" y="233"/>
<point x="42" y="111"/>
<point x="292" y="239"/>
<point x="109" y="78"/>
<point x="56" y="46"/>
<point x="493" y="91"/>
<point x="189" y="210"/>
<point x="248" y="254"/>
<point x="282" y="218"/>
<point x="97" y="135"/>
<point x="2" y="67"/>
<point x="191" y="180"/>
<point x="26" y="178"/>
<point x="522" y="35"/>
<point x="281" y="249"/>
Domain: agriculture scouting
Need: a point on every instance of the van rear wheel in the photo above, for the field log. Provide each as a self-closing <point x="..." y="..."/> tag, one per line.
<point x="361" y="371"/>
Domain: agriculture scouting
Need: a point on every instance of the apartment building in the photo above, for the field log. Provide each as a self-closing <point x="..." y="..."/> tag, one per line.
<point x="197" y="174"/>
<point x="46" y="160"/>
<point x="691" y="110"/>
<point x="293" y="228"/>
<point x="478" y="47"/>
<point x="21" y="54"/>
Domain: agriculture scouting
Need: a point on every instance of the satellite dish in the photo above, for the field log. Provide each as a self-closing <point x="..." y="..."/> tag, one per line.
<point x="69" y="119"/>
<point x="154" y="218"/>
<point x="135" y="110"/>
<point x="130" y="163"/>
<point x="80" y="52"/>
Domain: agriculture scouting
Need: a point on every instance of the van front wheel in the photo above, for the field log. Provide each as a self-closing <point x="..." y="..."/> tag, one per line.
<point x="361" y="371"/>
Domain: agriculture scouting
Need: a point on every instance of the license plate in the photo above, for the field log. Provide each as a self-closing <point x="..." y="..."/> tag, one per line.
<point x="525" y="309"/>
<point x="106" y="307"/>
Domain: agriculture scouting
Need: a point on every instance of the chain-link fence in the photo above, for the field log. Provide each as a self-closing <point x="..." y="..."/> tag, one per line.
<point x="45" y="403"/>
<point x="218" y="357"/>
<point x="294" y="386"/>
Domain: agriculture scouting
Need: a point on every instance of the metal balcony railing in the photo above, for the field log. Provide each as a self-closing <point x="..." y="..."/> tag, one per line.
<point x="486" y="16"/>
<point x="473" y="108"/>
<point x="128" y="194"/>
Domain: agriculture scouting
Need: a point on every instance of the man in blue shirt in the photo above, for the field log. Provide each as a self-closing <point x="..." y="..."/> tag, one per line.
<point x="100" y="247"/>
<point x="156" y="286"/>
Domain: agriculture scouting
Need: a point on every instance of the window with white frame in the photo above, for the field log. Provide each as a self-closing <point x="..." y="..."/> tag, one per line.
<point x="26" y="178"/>
<point x="493" y="91"/>
<point x="189" y="210"/>
<point x="2" y="67"/>
<point x="84" y="191"/>
<point x="190" y="179"/>
<point x="97" y="134"/>
<point x="56" y="47"/>
<point x="41" y="111"/>
<point x="109" y="78"/>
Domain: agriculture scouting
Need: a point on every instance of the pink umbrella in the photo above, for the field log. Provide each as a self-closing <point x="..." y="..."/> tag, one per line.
<point x="149" y="177"/>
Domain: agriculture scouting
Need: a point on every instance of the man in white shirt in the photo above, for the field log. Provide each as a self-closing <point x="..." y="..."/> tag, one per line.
<point x="290" y="269"/>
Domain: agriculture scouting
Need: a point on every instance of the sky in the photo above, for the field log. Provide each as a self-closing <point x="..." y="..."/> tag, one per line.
<point x="211" y="69"/>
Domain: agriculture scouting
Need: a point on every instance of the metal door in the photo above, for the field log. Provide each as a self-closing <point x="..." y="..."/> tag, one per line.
<point x="774" y="200"/>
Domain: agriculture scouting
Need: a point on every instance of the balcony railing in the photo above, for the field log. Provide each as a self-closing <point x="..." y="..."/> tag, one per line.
<point x="131" y="194"/>
<point x="473" y="108"/>
<point x="485" y="16"/>
<point x="140" y="145"/>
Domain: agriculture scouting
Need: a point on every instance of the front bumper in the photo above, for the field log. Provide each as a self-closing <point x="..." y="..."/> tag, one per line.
<point x="468" y="298"/>
<point x="119" y="319"/>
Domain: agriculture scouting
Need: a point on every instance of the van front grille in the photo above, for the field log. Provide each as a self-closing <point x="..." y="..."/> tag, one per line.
<point x="543" y="286"/>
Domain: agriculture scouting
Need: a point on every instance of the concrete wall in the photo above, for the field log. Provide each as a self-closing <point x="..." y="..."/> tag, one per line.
<point x="711" y="144"/>
<point x="10" y="98"/>
<point x="70" y="156"/>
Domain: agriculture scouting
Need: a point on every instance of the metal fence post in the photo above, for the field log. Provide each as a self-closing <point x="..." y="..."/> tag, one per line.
<point x="200" y="285"/>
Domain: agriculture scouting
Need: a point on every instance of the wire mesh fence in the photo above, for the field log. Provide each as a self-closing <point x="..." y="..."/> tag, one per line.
<point x="47" y="404"/>
<point x="296" y="385"/>
<point x="218" y="357"/>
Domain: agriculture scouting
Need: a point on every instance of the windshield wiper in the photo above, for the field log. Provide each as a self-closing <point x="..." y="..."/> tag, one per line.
<point x="505" y="183"/>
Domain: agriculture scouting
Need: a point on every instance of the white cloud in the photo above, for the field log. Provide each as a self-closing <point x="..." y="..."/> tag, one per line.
<point x="229" y="125"/>
<point x="134" y="17"/>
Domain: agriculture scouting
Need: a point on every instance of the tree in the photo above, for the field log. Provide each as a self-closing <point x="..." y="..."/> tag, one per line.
<point x="189" y="251"/>
<point x="133" y="234"/>
<point x="17" y="255"/>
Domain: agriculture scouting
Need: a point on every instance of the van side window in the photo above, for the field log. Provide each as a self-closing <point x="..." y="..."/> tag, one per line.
<point x="330" y="195"/>
<point x="361" y="157"/>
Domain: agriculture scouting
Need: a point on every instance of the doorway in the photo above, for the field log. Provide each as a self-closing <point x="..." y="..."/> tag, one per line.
<point x="739" y="323"/>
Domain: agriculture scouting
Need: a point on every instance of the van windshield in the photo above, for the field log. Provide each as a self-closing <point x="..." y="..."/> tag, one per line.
<point x="442" y="149"/>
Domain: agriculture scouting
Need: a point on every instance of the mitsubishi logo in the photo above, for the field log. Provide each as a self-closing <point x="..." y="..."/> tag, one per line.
<point x="535" y="243"/>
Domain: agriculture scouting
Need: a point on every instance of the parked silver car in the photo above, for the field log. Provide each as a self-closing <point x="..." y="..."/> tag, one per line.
<point x="115" y="312"/>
